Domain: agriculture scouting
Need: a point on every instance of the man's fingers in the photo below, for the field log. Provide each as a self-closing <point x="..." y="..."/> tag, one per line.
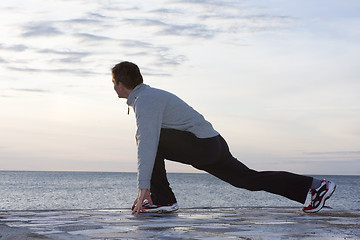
<point x="134" y="211"/>
<point x="138" y="203"/>
<point x="137" y="209"/>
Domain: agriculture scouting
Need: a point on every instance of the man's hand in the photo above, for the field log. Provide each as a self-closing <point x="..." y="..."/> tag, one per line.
<point x="142" y="195"/>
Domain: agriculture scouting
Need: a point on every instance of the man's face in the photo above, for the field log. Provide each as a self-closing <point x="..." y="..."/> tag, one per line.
<point x="119" y="89"/>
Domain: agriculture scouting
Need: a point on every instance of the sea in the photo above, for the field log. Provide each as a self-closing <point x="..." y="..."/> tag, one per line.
<point x="32" y="190"/>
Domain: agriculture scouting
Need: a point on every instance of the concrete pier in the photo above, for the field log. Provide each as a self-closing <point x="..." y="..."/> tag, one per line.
<point x="215" y="223"/>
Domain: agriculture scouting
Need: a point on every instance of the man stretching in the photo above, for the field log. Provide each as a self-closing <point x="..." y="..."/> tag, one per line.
<point x="168" y="128"/>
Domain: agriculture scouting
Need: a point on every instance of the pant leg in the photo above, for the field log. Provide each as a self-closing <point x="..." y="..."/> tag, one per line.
<point x="226" y="167"/>
<point x="213" y="156"/>
<point x="173" y="145"/>
<point x="161" y="193"/>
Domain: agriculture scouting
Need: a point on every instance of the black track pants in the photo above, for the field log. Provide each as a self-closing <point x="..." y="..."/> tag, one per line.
<point x="212" y="155"/>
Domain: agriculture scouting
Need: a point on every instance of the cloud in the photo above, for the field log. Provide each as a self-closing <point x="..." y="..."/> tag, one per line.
<point x="220" y="5"/>
<point x="15" y="48"/>
<point x="24" y="69"/>
<point x="70" y="56"/>
<point x="217" y="18"/>
<point x="190" y="30"/>
<point x="18" y="48"/>
<point x="98" y="30"/>
<point x="161" y="53"/>
<point x="75" y="71"/>
<point x="71" y="53"/>
<point x="334" y="153"/>
<point x="147" y="72"/>
<point x="328" y="166"/>
<point x="166" y="11"/>
<point x="139" y="44"/>
<point x="82" y="21"/>
<point x="101" y="26"/>
<point x="92" y="37"/>
<point x="40" y="29"/>
<point x="145" y="22"/>
<point x="202" y="2"/>
<point x="35" y="90"/>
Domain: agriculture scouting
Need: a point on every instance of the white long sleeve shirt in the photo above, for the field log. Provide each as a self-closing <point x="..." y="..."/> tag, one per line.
<point x="156" y="109"/>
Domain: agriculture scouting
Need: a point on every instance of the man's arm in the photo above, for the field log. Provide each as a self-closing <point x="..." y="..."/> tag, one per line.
<point x="149" y="113"/>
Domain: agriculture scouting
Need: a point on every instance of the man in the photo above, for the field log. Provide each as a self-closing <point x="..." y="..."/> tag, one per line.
<point x="168" y="128"/>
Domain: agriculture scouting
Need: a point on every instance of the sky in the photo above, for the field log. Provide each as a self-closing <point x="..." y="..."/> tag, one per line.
<point x="278" y="79"/>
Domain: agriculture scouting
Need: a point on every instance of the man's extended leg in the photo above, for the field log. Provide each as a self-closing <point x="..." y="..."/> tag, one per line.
<point x="229" y="169"/>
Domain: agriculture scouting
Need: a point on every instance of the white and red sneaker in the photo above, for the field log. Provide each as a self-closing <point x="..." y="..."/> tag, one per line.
<point x="148" y="208"/>
<point x="319" y="196"/>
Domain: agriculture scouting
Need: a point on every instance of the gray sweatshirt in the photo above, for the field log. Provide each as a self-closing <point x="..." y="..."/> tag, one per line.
<point x="156" y="109"/>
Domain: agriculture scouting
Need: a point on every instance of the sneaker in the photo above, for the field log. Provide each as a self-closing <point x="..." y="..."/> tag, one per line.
<point x="148" y="208"/>
<point x="319" y="196"/>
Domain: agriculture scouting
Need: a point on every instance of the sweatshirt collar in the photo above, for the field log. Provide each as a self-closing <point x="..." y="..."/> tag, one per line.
<point x="135" y="93"/>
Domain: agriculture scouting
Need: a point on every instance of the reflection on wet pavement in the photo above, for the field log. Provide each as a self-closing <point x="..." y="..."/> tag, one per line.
<point x="217" y="223"/>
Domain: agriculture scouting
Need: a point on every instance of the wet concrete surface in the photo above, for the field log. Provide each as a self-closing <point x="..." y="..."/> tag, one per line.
<point x="214" y="223"/>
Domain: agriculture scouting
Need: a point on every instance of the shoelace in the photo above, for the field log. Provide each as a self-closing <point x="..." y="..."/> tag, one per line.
<point x="313" y="199"/>
<point x="318" y="196"/>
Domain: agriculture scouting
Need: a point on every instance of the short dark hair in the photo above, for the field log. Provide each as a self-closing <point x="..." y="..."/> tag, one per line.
<point x="127" y="73"/>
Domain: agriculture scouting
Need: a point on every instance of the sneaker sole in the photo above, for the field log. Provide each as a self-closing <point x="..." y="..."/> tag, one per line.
<point x="161" y="210"/>
<point x="326" y="197"/>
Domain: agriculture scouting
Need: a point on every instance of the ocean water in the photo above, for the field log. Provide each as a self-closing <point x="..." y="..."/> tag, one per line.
<point x="103" y="190"/>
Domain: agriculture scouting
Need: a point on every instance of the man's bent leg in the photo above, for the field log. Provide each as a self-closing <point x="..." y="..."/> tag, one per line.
<point x="161" y="193"/>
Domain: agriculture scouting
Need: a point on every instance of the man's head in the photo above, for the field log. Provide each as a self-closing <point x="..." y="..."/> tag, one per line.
<point x="128" y="74"/>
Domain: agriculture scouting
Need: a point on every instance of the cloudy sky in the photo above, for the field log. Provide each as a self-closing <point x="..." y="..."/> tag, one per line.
<point x="278" y="79"/>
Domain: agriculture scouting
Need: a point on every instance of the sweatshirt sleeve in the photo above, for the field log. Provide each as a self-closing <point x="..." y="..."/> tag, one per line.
<point x="149" y="114"/>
